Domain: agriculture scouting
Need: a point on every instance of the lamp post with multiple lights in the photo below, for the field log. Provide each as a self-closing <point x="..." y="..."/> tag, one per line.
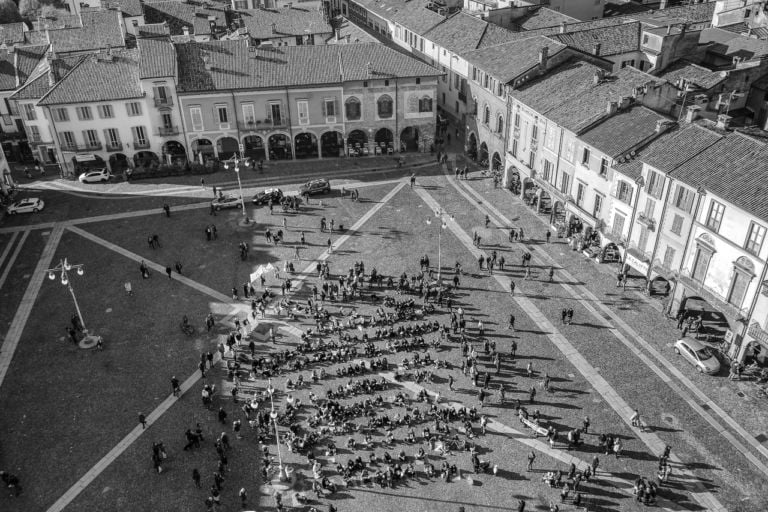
<point x="63" y="269"/>
<point x="236" y="164"/>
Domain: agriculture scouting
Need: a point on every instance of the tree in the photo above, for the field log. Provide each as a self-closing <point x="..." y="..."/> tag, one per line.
<point x="29" y="8"/>
<point x="9" y="13"/>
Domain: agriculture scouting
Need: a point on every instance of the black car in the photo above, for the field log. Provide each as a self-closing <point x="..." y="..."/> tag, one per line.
<point x="275" y="194"/>
<point x="319" y="186"/>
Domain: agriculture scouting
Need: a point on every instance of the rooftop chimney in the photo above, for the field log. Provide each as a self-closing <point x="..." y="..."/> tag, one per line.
<point x="274" y="28"/>
<point x="663" y="4"/>
<point x="661" y="125"/>
<point x="207" y="62"/>
<point x="723" y="121"/>
<point x="563" y="27"/>
<point x="185" y="29"/>
<point x="596" y="49"/>
<point x="598" y="77"/>
<point x="612" y="108"/>
<point x="338" y="34"/>
<point x="692" y="113"/>
<point x="626" y="101"/>
<point x="543" y="57"/>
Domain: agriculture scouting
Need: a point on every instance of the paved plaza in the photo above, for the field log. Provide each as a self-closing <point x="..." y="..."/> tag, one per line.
<point x="70" y="417"/>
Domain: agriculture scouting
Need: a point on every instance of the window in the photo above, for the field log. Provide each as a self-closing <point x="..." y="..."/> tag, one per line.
<point x="514" y="148"/>
<point x="701" y="264"/>
<point x="499" y="124"/>
<point x="546" y="173"/>
<point x="715" y="217"/>
<point x="275" y="114"/>
<point x="168" y="123"/>
<point x="352" y="109"/>
<point x="618" y="225"/>
<point x="60" y="114"/>
<point x="84" y="113"/>
<point x="105" y="111"/>
<point x="302" y="107"/>
<point x="418" y="81"/>
<point x="517" y="120"/>
<point x="133" y="108"/>
<point x="669" y="256"/>
<point x="603" y="167"/>
<point x="486" y="115"/>
<point x="91" y="138"/>
<point x="249" y="114"/>
<point x="650" y="206"/>
<point x="112" y="137"/>
<point x="384" y="106"/>
<point x="645" y="38"/>
<point x="624" y="192"/>
<point x="642" y="240"/>
<point x="580" y="192"/>
<point x="585" y="157"/>
<point x="425" y="104"/>
<point x="598" y="206"/>
<point x="196" y="115"/>
<point x="67" y="140"/>
<point x="569" y="147"/>
<point x="534" y="133"/>
<point x="365" y="83"/>
<point x="532" y="160"/>
<point x="222" y="115"/>
<point x="29" y="112"/>
<point x="683" y="198"/>
<point x="755" y="239"/>
<point x="139" y="136"/>
<point x="630" y="62"/>
<point x="486" y="81"/>
<point x="443" y="77"/>
<point x="655" y="184"/>
<point x="329" y="107"/>
<point x="34" y="133"/>
<point x="738" y="287"/>
<point x="565" y="183"/>
<point x="677" y="224"/>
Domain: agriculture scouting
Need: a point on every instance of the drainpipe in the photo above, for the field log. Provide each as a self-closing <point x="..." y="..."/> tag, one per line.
<point x="237" y="124"/>
<point x="507" y="122"/>
<point x="700" y="195"/>
<point x="290" y="123"/>
<point x="397" y="132"/>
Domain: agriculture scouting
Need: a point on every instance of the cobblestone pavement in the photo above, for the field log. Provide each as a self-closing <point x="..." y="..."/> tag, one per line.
<point x="614" y="357"/>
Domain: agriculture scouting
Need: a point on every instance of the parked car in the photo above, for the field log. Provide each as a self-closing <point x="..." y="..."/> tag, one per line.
<point x="228" y="201"/>
<point x="698" y="354"/>
<point x="95" y="176"/>
<point x="319" y="186"/>
<point x="26" y="205"/>
<point x="275" y="194"/>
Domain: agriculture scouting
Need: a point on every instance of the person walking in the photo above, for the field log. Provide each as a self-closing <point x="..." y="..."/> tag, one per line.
<point x="213" y="212"/>
<point x="243" y="497"/>
<point x="128" y="288"/>
<point x="531" y="459"/>
<point x="564" y="315"/>
<point x="196" y="477"/>
<point x="413" y="180"/>
<point x="513" y="349"/>
<point x="551" y="273"/>
<point x="570" y="316"/>
<point x="511" y="322"/>
<point x="169" y="271"/>
<point x="531" y="394"/>
<point x="167" y="210"/>
<point x="548" y="235"/>
<point x="175" y="388"/>
<point x="142" y="420"/>
<point x="595" y="464"/>
<point x="202" y="183"/>
<point x="511" y="287"/>
<point x="178" y="267"/>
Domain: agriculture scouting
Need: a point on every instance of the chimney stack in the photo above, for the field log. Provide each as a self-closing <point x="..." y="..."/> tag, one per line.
<point x="543" y="57"/>
<point x="723" y="121"/>
<point x="185" y="29"/>
<point x="663" y="4"/>
<point x="338" y="34"/>
<point x="612" y="108"/>
<point x="661" y="125"/>
<point x="563" y="27"/>
<point x="207" y="62"/>
<point x="596" y="49"/>
<point x="692" y="113"/>
<point x="598" y="77"/>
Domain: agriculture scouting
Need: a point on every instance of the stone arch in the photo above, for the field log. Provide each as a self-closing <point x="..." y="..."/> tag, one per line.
<point x="118" y="163"/>
<point x="279" y="146"/>
<point x="174" y="152"/>
<point x="146" y="159"/>
<point x="471" y="148"/>
<point x="202" y="149"/>
<point x="332" y="144"/>
<point x="353" y="109"/>
<point x="482" y="155"/>
<point x="745" y="264"/>
<point x="496" y="161"/>
<point x="253" y="146"/>
<point x="226" y="147"/>
<point x="486" y="115"/>
<point x="306" y="145"/>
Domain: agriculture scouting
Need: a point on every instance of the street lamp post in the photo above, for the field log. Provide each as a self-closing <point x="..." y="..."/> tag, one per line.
<point x="236" y="166"/>
<point x="273" y="416"/>
<point x="63" y="269"/>
<point x="443" y="224"/>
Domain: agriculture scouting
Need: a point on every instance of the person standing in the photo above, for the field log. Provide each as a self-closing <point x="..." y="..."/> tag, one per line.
<point x="570" y="316"/>
<point x="511" y="287"/>
<point x="168" y="270"/>
<point x="142" y="421"/>
<point x="531" y="459"/>
<point x="511" y="322"/>
<point x="202" y="183"/>
<point x="564" y="315"/>
<point x="531" y="394"/>
<point x="175" y="388"/>
<point x="450" y="382"/>
<point x="548" y="235"/>
<point x="196" y="477"/>
<point x="167" y="210"/>
<point x="178" y="267"/>
<point x="551" y="273"/>
<point x="513" y="349"/>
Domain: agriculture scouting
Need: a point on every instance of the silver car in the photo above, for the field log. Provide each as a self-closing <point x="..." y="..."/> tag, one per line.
<point x="28" y="205"/>
<point x="698" y="354"/>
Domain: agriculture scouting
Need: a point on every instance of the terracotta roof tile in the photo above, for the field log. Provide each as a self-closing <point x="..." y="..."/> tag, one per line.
<point x="543" y="17"/>
<point x="16" y="67"/>
<point x="613" y="40"/>
<point x="729" y="45"/>
<point x="99" y="29"/>
<point x="507" y="61"/>
<point x="39" y="83"/>
<point x="681" y="145"/>
<point x="623" y="131"/>
<point x="97" y="79"/>
<point x="185" y="14"/>
<point x="157" y="58"/>
<point x="130" y="8"/>
<point x="685" y="70"/>
<point x="153" y="30"/>
<point x="12" y="33"/>
<point x="233" y="66"/>
<point x="295" y="21"/>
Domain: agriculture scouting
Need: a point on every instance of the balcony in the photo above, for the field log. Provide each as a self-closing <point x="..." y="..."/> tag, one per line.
<point x="758" y="333"/>
<point x="141" y="144"/>
<point x="75" y="148"/>
<point x="648" y="222"/>
<point x="163" y="102"/>
<point x="637" y="252"/>
<point x="168" y="131"/>
<point x="462" y="97"/>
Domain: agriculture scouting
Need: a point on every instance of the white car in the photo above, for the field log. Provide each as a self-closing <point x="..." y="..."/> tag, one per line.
<point x="95" y="176"/>
<point x="30" y="204"/>
<point x="699" y="355"/>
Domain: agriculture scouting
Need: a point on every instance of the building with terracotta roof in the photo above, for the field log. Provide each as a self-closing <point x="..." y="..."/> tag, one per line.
<point x="288" y="26"/>
<point x="202" y="21"/>
<point x="303" y="101"/>
<point x="89" y="31"/>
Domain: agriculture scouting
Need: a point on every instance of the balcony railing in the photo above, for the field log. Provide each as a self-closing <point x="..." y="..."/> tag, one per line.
<point x="758" y="333"/>
<point x="639" y="253"/>
<point x="462" y="97"/>
<point x="141" y="144"/>
<point x="711" y="295"/>
<point x="648" y="222"/>
<point x="163" y="102"/>
<point x="88" y="146"/>
<point x="167" y="131"/>
<point x="117" y="146"/>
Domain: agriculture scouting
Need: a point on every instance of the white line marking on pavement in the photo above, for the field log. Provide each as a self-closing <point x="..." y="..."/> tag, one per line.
<point x="700" y="494"/>
<point x="13" y="257"/>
